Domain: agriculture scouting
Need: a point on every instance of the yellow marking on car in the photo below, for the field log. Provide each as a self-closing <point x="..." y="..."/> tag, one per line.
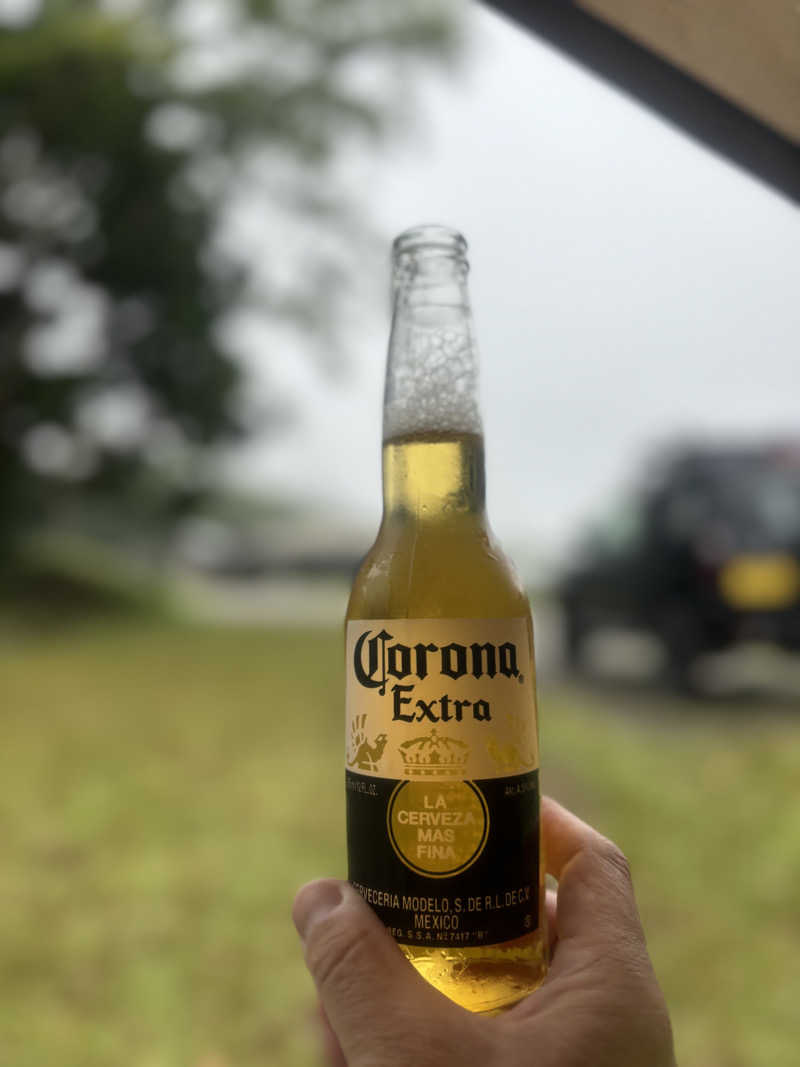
<point x="760" y="582"/>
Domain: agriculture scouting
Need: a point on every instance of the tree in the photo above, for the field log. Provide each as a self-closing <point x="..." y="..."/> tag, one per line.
<point x="124" y="138"/>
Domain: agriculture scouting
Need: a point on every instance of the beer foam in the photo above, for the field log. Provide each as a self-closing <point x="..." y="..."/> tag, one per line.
<point x="431" y="381"/>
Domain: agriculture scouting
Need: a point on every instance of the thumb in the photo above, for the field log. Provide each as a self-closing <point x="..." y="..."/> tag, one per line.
<point x="380" y="1009"/>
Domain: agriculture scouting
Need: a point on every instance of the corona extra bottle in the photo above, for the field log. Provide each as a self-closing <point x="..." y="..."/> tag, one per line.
<point x="441" y="737"/>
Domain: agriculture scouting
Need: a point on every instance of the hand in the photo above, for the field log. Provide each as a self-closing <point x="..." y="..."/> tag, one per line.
<point x="600" y="1005"/>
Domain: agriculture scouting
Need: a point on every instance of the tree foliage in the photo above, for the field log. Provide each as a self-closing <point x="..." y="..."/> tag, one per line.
<point x="125" y="136"/>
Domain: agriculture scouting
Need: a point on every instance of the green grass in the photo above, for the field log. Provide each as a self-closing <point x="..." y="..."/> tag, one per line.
<point x="165" y="788"/>
<point x="705" y="804"/>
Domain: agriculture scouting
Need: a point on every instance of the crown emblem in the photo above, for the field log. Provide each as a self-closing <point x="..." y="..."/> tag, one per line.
<point x="434" y="755"/>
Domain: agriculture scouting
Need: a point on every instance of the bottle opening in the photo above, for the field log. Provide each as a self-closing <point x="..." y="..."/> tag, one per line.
<point x="430" y="238"/>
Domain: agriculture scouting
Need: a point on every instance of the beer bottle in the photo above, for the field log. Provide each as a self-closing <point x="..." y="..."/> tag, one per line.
<point x="441" y="736"/>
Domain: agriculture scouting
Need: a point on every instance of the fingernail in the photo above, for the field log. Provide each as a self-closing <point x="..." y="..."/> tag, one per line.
<point x="313" y="902"/>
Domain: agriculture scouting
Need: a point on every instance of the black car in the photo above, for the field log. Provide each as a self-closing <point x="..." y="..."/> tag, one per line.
<point x="707" y="554"/>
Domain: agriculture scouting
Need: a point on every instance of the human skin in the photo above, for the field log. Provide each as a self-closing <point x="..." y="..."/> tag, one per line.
<point x="600" y="1005"/>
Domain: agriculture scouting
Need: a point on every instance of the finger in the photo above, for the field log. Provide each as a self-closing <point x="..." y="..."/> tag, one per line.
<point x="552" y="919"/>
<point x="601" y="946"/>
<point x="564" y="836"/>
<point x="332" y="1050"/>
<point x="372" y="997"/>
<point x="595" y="893"/>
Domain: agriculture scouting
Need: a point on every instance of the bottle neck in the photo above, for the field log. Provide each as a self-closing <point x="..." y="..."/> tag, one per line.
<point x="434" y="478"/>
<point x="433" y="465"/>
<point x="432" y="369"/>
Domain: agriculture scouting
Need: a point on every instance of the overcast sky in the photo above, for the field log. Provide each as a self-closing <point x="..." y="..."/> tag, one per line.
<point x="627" y="285"/>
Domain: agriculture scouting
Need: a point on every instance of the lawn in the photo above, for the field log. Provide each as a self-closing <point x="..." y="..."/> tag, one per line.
<point x="166" y="787"/>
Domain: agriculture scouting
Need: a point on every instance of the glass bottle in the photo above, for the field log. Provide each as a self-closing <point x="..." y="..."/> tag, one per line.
<point x="442" y="750"/>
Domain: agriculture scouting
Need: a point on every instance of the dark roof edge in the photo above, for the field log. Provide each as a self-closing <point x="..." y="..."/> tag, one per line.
<point x="699" y="111"/>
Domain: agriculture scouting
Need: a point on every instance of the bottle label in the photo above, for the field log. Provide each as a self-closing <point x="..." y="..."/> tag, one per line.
<point x="442" y="778"/>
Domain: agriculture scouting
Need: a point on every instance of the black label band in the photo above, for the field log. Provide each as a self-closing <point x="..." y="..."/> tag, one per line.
<point x="447" y="863"/>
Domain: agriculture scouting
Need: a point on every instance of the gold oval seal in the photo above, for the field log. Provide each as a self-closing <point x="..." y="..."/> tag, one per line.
<point x="437" y="828"/>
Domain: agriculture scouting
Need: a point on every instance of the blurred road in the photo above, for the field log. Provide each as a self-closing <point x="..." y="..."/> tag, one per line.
<point x="284" y="601"/>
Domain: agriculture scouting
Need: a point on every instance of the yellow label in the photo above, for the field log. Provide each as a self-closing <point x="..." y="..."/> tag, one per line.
<point x="439" y="700"/>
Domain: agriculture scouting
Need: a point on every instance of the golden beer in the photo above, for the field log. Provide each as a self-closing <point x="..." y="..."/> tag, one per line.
<point x="442" y="743"/>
